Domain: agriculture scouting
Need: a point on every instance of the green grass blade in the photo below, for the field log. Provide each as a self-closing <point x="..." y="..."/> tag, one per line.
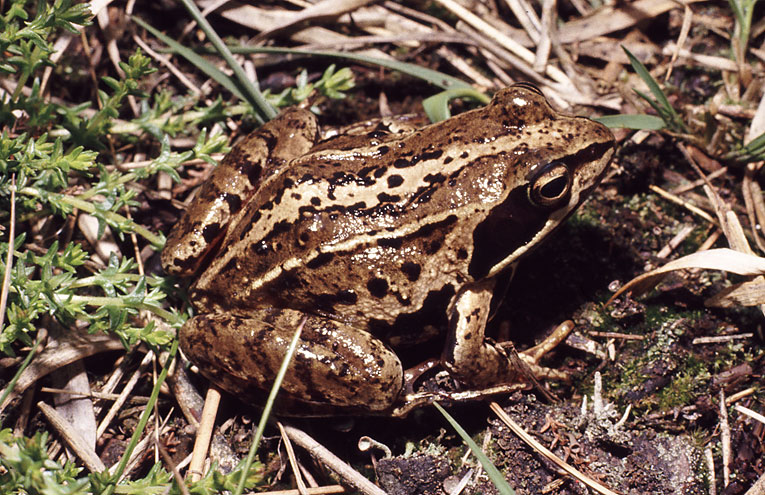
<point x="435" y="78"/>
<point x="756" y="145"/>
<point x="263" y="110"/>
<point x="491" y="470"/>
<point x="661" y="104"/>
<point x="267" y="409"/>
<point x="634" y="121"/>
<point x="141" y="426"/>
<point x="752" y="152"/>
<point x="11" y="384"/>
<point x="437" y="106"/>
<point x="195" y="59"/>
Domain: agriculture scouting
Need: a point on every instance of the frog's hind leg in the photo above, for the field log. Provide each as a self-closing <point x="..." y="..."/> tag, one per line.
<point x="335" y="365"/>
<point x="259" y="155"/>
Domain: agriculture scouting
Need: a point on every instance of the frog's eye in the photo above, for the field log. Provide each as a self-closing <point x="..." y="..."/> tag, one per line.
<point x="529" y="86"/>
<point x="551" y="185"/>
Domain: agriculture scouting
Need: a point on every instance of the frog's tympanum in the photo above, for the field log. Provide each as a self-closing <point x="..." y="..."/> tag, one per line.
<point x="373" y="238"/>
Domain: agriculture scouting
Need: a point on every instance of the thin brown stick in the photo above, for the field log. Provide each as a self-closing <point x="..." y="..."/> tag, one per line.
<point x="293" y="460"/>
<point x="679" y="201"/>
<point x="320" y="490"/>
<point x="124" y="395"/>
<point x="204" y="433"/>
<point x="616" y="335"/>
<point x="725" y="439"/>
<point x="9" y="255"/>
<point x="321" y="454"/>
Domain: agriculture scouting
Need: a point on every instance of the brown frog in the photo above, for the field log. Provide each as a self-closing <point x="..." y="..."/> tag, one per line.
<point x="372" y="238"/>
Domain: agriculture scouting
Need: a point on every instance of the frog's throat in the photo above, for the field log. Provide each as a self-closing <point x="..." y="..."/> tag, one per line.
<point x="555" y="219"/>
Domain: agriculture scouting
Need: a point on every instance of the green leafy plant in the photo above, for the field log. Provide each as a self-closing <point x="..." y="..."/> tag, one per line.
<point x="659" y="102"/>
<point x="332" y="84"/>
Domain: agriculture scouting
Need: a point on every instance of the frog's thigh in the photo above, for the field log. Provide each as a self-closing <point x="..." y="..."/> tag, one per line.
<point x="469" y="356"/>
<point x="334" y="364"/>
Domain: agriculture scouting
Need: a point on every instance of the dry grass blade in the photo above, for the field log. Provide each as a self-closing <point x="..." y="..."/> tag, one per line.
<point x="319" y="490"/>
<point x="508" y="43"/>
<point x="751" y="293"/>
<point x="752" y="414"/>
<point x="541" y="449"/>
<point x="78" y="411"/>
<point x="714" y="259"/>
<point x="73" y="439"/>
<point x="725" y="438"/>
<point x="9" y="255"/>
<point x="301" y="487"/>
<point x="321" y="454"/>
<point x="610" y="19"/>
<point x="322" y="11"/>
<point x="69" y="348"/>
<point x="757" y="125"/>
<point x="125" y="394"/>
<point x="758" y="488"/>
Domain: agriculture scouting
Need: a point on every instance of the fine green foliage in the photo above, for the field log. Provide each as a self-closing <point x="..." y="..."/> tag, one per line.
<point x="28" y="469"/>
<point x="332" y="84"/>
<point x="55" y="163"/>
<point x="25" y="40"/>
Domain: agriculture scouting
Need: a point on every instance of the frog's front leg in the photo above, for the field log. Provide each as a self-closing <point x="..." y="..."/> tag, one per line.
<point x="479" y="362"/>
<point x="335" y="364"/>
<point x="469" y="356"/>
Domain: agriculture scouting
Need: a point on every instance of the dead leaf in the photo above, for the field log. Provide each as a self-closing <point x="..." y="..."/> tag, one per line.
<point x="713" y="259"/>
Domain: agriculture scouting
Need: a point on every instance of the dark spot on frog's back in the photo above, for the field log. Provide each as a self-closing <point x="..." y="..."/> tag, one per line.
<point x="395" y="180"/>
<point x="320" y="260"/>
<point x="391" y="242"/>
<point x="211" y="231"/>
<point x="234" y="202"/>
<point x="433" y="246"/>
<point x="388" y="198"/>
<point x="434" y="178"/>
<point x="327" y="302"/>
<point x="432" y="155"/>
<point x="411" y="270"/>
<point x="377" y="287"/>
<point x="186" y="264"/>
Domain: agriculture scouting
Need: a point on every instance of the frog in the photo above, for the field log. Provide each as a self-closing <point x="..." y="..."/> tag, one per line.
<point x="377" y="238"/>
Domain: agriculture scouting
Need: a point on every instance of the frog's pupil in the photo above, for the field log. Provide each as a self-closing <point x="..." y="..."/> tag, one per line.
<point x="554" y="187"/>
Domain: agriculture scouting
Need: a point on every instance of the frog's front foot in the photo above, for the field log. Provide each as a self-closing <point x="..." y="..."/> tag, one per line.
<point x="531" y="357"/>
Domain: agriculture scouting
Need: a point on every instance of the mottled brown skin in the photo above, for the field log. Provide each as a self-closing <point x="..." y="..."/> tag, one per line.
<point x="371" y="234"/>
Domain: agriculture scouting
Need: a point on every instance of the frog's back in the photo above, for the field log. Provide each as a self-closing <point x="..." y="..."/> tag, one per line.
<point x="372" y="225"/>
